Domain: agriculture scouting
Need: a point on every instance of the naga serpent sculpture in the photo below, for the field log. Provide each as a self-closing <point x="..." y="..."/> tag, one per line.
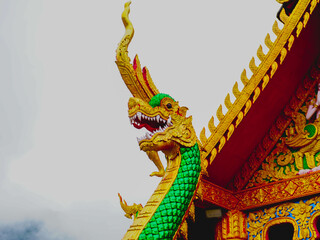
<point x="168" y="130"/>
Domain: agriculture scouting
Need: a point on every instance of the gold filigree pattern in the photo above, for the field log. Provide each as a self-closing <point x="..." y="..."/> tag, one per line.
<point x="300" y="214"/>
<point x="271" y="193"/>
<point x="233" y="226"/>
<point x="284" y="162"/>
<point x="261" y="156"/>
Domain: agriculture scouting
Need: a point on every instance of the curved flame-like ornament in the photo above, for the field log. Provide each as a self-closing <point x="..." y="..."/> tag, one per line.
<point x="138" y="80"/>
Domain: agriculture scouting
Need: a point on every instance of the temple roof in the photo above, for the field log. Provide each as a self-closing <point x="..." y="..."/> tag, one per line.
<point x="258" y="116"/>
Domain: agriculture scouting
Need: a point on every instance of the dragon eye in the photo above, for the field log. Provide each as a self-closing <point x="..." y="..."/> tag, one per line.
<point x="169" y="105"/>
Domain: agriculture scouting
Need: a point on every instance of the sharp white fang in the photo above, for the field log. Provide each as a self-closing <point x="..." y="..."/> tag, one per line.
<point x="158" y="118"/>
<point x="139" y="115"/>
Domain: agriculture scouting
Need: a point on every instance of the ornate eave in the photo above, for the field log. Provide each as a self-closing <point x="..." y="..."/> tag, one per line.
<point x="268" y="194"/>
<point x="280" y="83"/>
<point x="304" y="89"/>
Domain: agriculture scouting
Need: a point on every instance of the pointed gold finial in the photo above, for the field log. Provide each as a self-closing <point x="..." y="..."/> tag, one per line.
<point x="260" y="53"/>
<point x="283" y="55"/>
<point x="283" y="16"/>
<point x="220" y="114"/>
<point x="306" y="18"/>
<point x="290" y="42"/>
<point x="203" y="137"/>
<point x="122" y="50"/>
<point x="222" y="143"/>
<point x="230" y="131"/>
<point x="211" y="125"/>
<point x="227" y="101"/>
<point x="138" y="80"/>
<point x="275" y="28"/>
<point x="243" y="77"/>
<point x="213" y="155"/>
<point x="268" y="41"/>
<point x="235" y="90"/>
<point x="252" y="65"/>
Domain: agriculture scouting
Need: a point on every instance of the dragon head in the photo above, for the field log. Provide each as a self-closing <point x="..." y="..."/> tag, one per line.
<point x="165" y="121"/>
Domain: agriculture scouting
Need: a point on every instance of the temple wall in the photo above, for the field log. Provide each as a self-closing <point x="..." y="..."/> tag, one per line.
<point x="303" y="215"/>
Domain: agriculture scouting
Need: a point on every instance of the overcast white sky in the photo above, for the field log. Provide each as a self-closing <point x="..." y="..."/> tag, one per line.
<point x="66" y="145"/>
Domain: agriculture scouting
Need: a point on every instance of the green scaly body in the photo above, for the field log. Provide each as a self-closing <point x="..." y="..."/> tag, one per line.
<point x="168" y="216"/>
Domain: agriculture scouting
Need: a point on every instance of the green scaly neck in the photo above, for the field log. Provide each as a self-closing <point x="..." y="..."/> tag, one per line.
<point x="168" y="216"/>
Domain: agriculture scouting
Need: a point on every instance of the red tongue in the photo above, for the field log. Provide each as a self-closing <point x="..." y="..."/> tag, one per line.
<point x="148" y="127"/>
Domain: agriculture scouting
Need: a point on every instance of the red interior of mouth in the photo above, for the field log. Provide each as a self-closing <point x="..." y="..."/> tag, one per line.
<point x="145" y="125"/>
<point x="149" y="125"/>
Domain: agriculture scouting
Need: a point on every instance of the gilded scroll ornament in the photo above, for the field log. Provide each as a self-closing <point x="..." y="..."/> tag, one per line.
<point x="297" y="150"/>
<point x="233" y="226"/>
<point x="130" y="211"/>
<point x="300" y="214"/>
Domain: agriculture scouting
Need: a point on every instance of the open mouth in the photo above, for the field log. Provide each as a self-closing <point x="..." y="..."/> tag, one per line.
<point x="153" y="125"/>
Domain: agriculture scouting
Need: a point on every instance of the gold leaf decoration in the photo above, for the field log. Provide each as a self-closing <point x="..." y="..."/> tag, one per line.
<point x="257" y="92"/>
<point x="299" y="28"/>
<point x="260" y="54"/>
<point x="252" y="65"/>
<point x="248" y="106"/>
<point x="203" y="137"/>
<point x="150" y="81"/>
<point x="222" y="142"/>
<point x="301" y="215"/>
<point x="230" y="131"/>
<point x="235" y="90"/>
<point x="227" y="101"/>
<point x="283" y="16"/>
<point x="204" y="166"/>
<point x="213" y="155"/>
<point x="283" y="54"/>
<point x="265" y="81"/>
<point x="211" y="125"/>
<point x="137" y="80"/>
<point x="274" y="68"/>
<point x="275" y="28"/>
<point x="220" y="114"/>
<point x="306" y="19"/>
<point x="290" y="42"/>
<point x="239" y="118"/>
<point x="268" y="41"/>
<point x="244" y="78"/>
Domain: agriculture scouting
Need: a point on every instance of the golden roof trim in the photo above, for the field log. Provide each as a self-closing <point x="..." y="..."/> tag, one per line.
<point x="261" y="76"/>
<point x="267" y="194"/>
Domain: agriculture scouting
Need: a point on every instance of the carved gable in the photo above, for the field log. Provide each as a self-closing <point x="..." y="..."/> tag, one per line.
<point x="297" y="151"/>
